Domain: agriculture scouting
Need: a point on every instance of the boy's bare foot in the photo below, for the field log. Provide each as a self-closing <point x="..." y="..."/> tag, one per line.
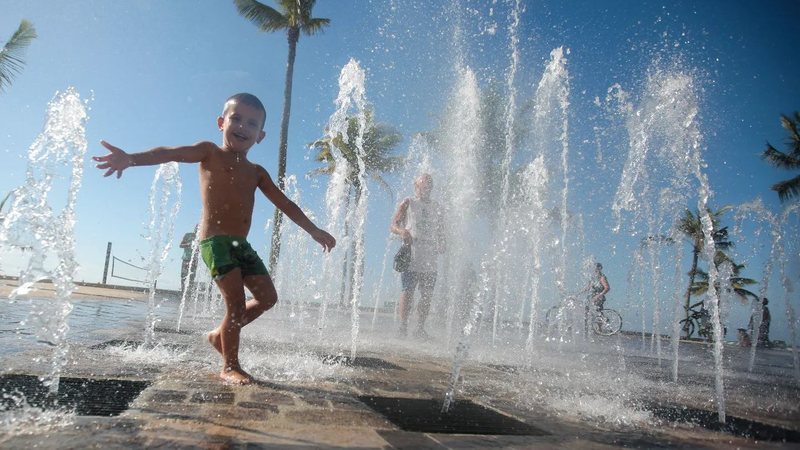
<point x="235" y="376"/>
<point x="215" y="340"/>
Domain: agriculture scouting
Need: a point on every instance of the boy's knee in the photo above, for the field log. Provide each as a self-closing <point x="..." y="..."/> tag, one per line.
<point x="268" y="300"/>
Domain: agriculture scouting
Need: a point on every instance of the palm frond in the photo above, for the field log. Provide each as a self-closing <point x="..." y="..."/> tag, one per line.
<point x="777" y="158"/>
<point x="266" y="18"/>
<point x="11" y="62"/>
<point x="314" y="26"/>
<point x="790" y="126"/>
<point x="787" y="189"/>
<point x="321" y="171"/>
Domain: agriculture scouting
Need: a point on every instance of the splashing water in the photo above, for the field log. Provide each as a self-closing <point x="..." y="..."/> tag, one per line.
<point x="349" y="175"/>
<point x="33" y="223"/>
<point x="665" y="139"/>
<point x="165" y="195"/>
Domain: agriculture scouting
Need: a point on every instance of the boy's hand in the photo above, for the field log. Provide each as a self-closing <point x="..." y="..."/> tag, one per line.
<point x="406" y="235"/>
<point x="326" y="240"/>
<point x="116" y="161"/>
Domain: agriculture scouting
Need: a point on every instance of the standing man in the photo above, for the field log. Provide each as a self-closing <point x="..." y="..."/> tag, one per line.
<point x="419" y="222"/>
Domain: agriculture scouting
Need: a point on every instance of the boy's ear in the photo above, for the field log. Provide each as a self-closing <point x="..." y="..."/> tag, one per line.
<point x="261" y="136"/>
<point x="220" y="121"/>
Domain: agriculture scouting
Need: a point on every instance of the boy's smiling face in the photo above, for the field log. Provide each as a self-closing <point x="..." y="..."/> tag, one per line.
<point x="241" y="126"/>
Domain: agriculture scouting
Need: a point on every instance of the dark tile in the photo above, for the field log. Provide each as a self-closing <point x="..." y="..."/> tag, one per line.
<point x="220" y="398"/>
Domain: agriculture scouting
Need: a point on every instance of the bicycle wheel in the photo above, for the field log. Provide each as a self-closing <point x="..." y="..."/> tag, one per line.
<point x="687" y="327"/>
<point x="551" y="318"/>
<point x="607" y="322"/>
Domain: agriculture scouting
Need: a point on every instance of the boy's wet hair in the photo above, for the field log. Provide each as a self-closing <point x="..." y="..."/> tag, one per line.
<point x="247" y="99"/>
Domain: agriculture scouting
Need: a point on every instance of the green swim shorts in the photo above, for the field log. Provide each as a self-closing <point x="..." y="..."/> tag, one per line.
<point x="225" y="253"/>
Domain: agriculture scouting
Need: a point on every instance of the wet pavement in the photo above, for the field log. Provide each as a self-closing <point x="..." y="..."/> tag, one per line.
<point x="379" y="399"/>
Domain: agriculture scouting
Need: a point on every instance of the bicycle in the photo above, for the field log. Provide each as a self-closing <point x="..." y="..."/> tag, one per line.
<point x="604" y="321"/>
<point x="699" y="320"/>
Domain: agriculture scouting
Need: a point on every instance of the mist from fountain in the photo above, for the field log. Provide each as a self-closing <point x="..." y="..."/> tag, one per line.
<point x="35" y="225"/>
<point x="349" y="172"/>
<point x="165" y="202"/>
<point x="665" y="139"/>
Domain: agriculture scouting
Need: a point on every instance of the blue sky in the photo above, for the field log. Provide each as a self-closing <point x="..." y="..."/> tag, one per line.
<point x="158" y="72"/>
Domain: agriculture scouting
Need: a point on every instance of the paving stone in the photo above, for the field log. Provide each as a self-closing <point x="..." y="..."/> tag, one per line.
<point x="260" y="406"/>
<point x="167" y="396"/>
<point x="274" y="398"/>
<point x="225" y="398"/>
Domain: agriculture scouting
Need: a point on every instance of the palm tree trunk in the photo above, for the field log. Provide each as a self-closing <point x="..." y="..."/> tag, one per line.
<point x="293" y="35"/>
<point x="357" y="272"/>
<point x="346" y="259"/>
<point x="692" y="273"/>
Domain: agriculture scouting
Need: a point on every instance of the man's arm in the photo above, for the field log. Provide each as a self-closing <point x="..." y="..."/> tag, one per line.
<point x="398" y="222"/>
<point x="292" y="211"/>
<point x="117" y="160"/>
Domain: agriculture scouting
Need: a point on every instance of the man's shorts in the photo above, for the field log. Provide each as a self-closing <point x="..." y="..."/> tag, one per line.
<point x="225" y="253"/>
<point x="410" y="280"/>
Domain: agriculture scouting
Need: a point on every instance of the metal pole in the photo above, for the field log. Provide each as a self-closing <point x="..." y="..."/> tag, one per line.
<point x="108" y="257"/>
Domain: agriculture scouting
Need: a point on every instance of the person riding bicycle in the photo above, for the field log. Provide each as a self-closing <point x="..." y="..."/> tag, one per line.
<point x="598" y="287"/>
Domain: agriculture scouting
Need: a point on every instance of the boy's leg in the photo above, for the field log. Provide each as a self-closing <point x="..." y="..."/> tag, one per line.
<point x="231" y="287"/>
<point x="264" y="296"/>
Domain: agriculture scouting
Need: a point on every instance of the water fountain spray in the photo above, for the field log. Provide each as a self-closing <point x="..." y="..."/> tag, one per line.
<point x="347" y="172"/>
<point x="165" y="189"/>
<point x="34" y="226"/>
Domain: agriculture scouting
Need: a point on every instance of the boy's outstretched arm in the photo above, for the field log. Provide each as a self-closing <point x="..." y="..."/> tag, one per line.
<point x="282" y="202"/>
<point x="118" y="160"/>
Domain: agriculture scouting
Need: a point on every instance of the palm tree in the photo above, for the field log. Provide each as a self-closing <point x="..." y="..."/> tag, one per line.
<point x="11" y="62"/>
<point x="738" y="283"/>
<point x="786" y="189"/>
<point x="379" y="140"/>
<point x="692" y="228"/>
<point x="294" y="16"/>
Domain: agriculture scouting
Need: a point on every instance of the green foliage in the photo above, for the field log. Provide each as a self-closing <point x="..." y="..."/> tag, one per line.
<point x="790" y="160"/>
<point x="291" y="14"/>
<point x="691" y="227"/>
<point x="379" y="141"/>
<point x="738" y="283"/>
<point x="11" y="62"/>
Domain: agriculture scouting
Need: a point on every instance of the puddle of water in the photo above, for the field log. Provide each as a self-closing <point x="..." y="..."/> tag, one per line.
<point x="88" y="317"/>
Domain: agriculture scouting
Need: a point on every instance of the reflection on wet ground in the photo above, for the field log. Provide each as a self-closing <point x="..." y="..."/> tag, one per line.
<point x="87" y="319"/>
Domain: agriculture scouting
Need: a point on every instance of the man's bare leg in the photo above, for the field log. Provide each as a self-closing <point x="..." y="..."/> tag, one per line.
<point x="423" y="308"/>
<point x="405" y="310"/>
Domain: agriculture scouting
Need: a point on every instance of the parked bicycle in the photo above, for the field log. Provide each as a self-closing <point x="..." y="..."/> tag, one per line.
<point x="604" y="322"/>
<point x="699" y="320"/>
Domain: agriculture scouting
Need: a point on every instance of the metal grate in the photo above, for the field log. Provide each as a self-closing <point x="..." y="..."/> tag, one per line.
<point x="733" y="425"/>
<point x="465" y="417"/>
<point x="360" y="361"/>
<point x="87" y="397"/>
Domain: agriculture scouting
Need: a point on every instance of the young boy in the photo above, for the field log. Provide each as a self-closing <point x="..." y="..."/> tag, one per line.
<point x="227" y="188"/>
